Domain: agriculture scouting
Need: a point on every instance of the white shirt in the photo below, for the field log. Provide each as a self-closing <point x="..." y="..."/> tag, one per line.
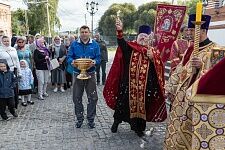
<point x="10" y="55"/>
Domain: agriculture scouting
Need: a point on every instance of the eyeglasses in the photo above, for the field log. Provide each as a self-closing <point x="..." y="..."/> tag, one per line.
<point x="19" y="42"/>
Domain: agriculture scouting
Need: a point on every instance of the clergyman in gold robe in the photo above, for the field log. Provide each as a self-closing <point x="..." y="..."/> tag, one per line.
<point x="181" y="122"/>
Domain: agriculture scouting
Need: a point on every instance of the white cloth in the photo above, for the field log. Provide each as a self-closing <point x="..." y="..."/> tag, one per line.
<point x="10" y="55"/>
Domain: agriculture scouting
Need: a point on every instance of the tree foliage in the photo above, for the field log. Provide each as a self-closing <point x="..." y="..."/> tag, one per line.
<point x="18" y="22"/>
<point x="191" y="8"/>
<point x="37" y="18"/>
<point x="130" y="16"/>
<point x="191" y="5"/>
<point x="146" y="14"/>
<point x="107" y="21"/>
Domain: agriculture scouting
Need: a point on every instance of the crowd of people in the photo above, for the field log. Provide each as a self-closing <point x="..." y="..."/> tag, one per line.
<point x="135" y="87"/>
<point x="26" y="67"/>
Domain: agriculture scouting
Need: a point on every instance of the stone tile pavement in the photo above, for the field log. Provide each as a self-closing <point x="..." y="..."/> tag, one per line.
<point x="50" y="125"/>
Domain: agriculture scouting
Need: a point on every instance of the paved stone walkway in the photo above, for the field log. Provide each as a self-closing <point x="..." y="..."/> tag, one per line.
<point x="50" y="125"/>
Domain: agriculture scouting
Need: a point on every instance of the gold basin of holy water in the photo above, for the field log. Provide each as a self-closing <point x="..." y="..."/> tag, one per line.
<point x="83" y="64"/>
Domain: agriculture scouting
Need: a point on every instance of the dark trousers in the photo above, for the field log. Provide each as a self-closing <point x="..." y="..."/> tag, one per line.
<point x="35" y="78"/>
<point x="16" y="97"/>
<point x="7" y="102"/>
<point x="16" y="90"/>
<point x="103" y="69"/>
<point x="69" y="79"/>
<point x="89" y="86"/>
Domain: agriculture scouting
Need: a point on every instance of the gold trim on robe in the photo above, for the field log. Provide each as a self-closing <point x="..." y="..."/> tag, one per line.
<point x="139" y="65"/>
<point x="186" y="130"/>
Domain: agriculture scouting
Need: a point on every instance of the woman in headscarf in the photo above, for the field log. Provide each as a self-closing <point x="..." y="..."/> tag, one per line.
<point x="10" y="55"/>
<point x="58" y="51"/>
<point x="41" y="60"/>
<point x="23" y="50"/>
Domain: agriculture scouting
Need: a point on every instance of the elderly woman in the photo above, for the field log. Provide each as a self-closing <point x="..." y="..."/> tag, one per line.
<point x="10" y="55"/>
<point x="23" y="50"/>
<point x="58" y="51"/>
<point x="41" y="60"/>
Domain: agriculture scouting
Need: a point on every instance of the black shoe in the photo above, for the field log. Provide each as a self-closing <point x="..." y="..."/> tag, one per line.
<point x="67" y="86"/>
<point x="79" y="124"/>
<point x="140" y="133"/>
<point x="6" y="119"/>
<point x="115" y="126"/>
<point x="91" y="125"/>
<point x="24" y="104"/>
<point x="30" y="102"/>
<point x="15" y="114"/>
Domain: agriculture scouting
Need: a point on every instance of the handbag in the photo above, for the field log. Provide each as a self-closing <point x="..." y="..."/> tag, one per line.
<point x="53" y="64"/>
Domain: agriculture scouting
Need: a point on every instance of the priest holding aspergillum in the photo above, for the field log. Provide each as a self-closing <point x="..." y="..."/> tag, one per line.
<point x="134" y="86"/>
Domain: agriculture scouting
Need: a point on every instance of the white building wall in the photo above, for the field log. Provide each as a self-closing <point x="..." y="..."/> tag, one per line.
<point x="217" y="35"/>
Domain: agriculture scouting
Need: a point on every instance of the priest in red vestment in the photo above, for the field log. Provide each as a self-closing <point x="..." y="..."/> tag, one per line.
<point x="180" y="46"/>
<point x="134" y="86"/>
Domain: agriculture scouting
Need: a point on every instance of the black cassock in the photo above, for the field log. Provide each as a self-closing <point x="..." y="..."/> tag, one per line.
<point x="122" y="110"/>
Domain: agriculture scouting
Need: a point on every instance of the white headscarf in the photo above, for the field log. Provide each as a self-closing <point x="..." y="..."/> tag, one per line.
<point x="57" y="44"/>
<point x="26" y="64"/>
<point x="6" y="48"/>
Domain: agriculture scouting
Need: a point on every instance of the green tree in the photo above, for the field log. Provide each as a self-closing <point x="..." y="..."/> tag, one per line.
<point x="191" y="5"/>
<point x="146" y="14"/>
<point x="18" y="22"/>
<point x="107" y="21"/>
<point x="147" y="17"/>
<point x="37" y="18"/>
<point x="191" y="8"/>
<point x="130" y="16"/>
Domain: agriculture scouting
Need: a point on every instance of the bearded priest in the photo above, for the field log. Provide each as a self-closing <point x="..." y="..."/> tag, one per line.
<point x="134" y="86"/>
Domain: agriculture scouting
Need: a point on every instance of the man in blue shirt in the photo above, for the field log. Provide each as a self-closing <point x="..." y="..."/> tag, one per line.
<point x="85" y="47"/>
